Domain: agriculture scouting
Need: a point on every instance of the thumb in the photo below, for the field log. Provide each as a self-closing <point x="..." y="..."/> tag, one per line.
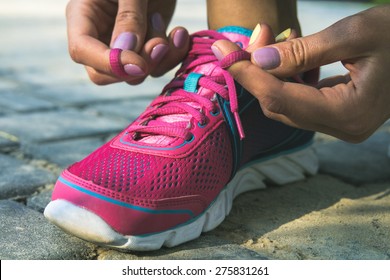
<point x="246" y="73"/>
<point x="302" y="54"/>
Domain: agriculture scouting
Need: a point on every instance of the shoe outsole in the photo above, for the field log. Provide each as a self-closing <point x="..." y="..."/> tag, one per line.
<point x="88" y="226"/>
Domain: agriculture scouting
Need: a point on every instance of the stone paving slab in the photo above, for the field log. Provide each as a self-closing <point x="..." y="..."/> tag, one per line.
<point x="319" y="218"/>
<point x="18" y="179"/>
<point x="25" y="234"/>
<point x="357" y="163"/>
<point x="82" y="94"/>
<point x="64" y="153"/>
<point x="207" y="247"/>
<point x="350" y="229"/>
<point x="39" y="201"/>
<point x="45" y="37"/>
<point x="85" y="93"/>
<point x="16" y="102"/>
<point x="7" y="84"/>
<point x="128" y="110"/>
<point x="57" y="125"/>
<point x="8" y="142"/>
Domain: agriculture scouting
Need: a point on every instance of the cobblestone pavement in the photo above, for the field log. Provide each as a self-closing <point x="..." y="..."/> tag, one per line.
<point x="51" y="115"/>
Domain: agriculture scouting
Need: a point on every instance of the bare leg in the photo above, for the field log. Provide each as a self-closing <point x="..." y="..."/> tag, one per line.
<point x="279" y="14"/>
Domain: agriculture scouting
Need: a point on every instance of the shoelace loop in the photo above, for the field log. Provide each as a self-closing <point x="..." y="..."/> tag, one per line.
<point x="174" y="100"/>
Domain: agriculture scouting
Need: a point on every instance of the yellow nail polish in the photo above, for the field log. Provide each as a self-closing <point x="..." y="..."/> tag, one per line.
<point x="283" y="36"/>
<point x="255" y="34"/>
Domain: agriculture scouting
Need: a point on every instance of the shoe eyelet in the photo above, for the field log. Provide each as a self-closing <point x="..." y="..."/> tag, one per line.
<point x="204" y="124"/>
<point x="134" y="136"/>
<point x="240" y="44"/>
<point x="189" y="125"/>
<point x="215" y="113"/>
<point x="191" y="138"/>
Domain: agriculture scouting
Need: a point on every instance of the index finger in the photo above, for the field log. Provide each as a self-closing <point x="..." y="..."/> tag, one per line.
<point x="85" y="45"/>
<point x="298" y="105"/>
<point x="292" y="103"/>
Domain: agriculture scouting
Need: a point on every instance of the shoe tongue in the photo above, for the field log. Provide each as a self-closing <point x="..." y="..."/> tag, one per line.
<point x="236" y="34"/>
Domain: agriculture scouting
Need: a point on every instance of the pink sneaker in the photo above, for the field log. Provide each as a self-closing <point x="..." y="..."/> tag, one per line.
<point x="174" y="172"/>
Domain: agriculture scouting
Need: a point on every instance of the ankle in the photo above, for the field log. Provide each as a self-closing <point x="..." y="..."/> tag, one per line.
<point x="280" y="15"/>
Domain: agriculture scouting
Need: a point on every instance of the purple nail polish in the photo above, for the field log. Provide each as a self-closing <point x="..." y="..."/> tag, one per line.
<point x="180" y="38"/>
<point x="125" y="41"/>
<point x="158" y="52"/>
<point x="158" y="22"/>
<point x="217" y="53"/>
<point x="266" y="58"/>
<point x="134" y="70"/>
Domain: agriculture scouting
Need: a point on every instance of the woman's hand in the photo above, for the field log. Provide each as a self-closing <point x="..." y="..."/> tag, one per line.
<point x="350" y="107"/>
<point x="138" y="27"/>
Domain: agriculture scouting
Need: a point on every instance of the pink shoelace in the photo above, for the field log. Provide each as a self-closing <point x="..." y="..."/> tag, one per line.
<point x="175" y="100"/>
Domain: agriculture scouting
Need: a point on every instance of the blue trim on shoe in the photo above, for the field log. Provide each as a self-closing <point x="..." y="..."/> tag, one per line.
<point x="236" y="142"/>
<point x="236" y="29"/>
<point x="120" y="203"/>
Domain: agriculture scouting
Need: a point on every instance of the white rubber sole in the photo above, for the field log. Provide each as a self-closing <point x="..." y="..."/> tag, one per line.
<point x="88" y="226"/>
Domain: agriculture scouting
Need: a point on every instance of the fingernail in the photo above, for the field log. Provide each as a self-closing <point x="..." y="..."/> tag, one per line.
<point x="218" y="54"/>
<point x="266" y="58"/>
<point x="125" y="41"/>
<point x="133" y="70"/>
<point x="255" y="34"/>
<point x="180" y="38"/>
<point x="158" y="52"/>
<point x="158" y="22"/>
<point x="283" y="36"/>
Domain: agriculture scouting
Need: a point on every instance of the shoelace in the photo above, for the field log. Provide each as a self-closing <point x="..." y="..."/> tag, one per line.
<point x="175" y="100"/>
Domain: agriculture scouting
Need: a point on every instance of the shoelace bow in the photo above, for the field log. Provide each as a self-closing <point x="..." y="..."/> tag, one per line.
<point x="175" y="100"/>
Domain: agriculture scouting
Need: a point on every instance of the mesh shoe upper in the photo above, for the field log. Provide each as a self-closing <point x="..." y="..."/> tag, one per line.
<point x="142" y="176"/>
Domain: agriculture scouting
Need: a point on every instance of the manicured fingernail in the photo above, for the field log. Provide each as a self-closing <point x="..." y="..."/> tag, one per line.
<point x="158" y="22"/>
<point x="283" y="36"/>
<point x="125" y="41"/>
<point x="266" y="58"/>
<point x="180" y="38"/>
<point x="133" y="70"/>
<point x="255" y="34"/>
<point x="218" y="54"/>
<point x="158" y="52"/>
